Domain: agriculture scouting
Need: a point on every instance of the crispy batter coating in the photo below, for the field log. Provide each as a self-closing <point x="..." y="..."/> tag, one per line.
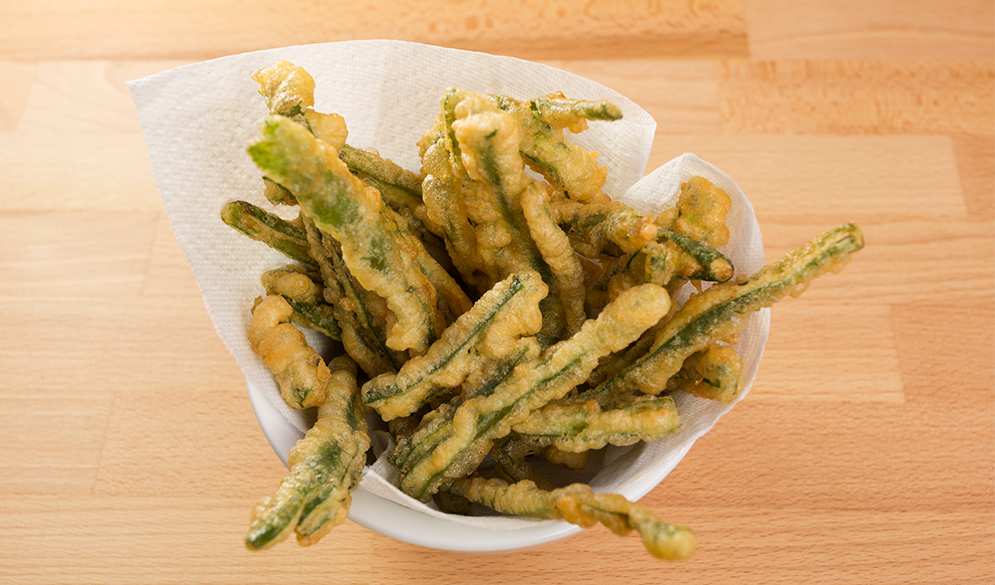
<point x="325" y="467"/>
<point x="722" y="310"/>
<point x="715" y="373"/>
<point x="700" y="213"/>
<point x="578" y="504"/>
<point x="298" y="369"/>
<point x="497" y="320"/>
<point x="305" y="296"/>
<point x="287" y="88"/>
<point x="554" y="245"/>
<point x="444" y="192"/>
<point x="362" y="315"/>
<point x="593" y="227"/>
<point x="456" y="439"/>
<point x="567" y="167"/>
<point x="576" y="427"/>
<point x="341" y="205"/>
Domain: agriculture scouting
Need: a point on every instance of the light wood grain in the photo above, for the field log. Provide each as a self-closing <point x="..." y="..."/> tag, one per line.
<point x="857" y="97"/>
<point x="852" y="29"/>
<point x="865" y="453"/>
<point x="191" y="29"/>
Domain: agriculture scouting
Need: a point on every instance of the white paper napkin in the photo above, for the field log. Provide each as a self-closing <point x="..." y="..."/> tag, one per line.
<point x="199" y="119"/>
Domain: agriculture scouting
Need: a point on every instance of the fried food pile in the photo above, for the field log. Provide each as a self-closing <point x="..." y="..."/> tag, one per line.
<point x="486" y="310"/>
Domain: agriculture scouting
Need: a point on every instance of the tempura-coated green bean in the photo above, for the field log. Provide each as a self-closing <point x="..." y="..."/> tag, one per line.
<point x="299" y="371"/>
<point x="507" y="312"/>
<point x="450" y="448"/>
<point x="324" y="469"/>
<point x="592" y="227"/>
<point x="722" y="310"/>
<point x="305" y="297"/>
<point x="578" y="504"/>
<point x="578" y="427"/>
<point x="567" y="167"/>
<point x="284" y="236"/>
<point x="342" y="206"/>
<point x="715" y="373"/>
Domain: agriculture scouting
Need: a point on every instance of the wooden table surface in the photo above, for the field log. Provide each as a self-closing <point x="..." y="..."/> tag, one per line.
<point x="865" y="453"/>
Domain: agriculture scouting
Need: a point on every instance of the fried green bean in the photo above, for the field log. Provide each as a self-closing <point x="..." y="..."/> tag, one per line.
<point x="715" y="373"/>
<point x="561" y="112"/>
<point x="623" y="359"/>
<point x="700" y="213"/>
<point x="578" y="504"/>
<point x="488" y="145"/>
<point x="579" y="427"/>
<point x="567" y="167"/>
<point x="344" y="207"/>
<point x="443" y="192"/>
<point x="305" y="297"/>
<point x="401" y="190"/>
<point x="593" y="227"/>
<point x="283" y="236"/>
<point x="299" y="371"/>
<point x="510" y="465"/>
<point x="400" y="187"/>
<point x="722" y="310"/>
<point x="325" y="468"/>
<point x="673" y="257"/>
<point x="287" y="89"/>
<point x="702" y="262"/>
<point x="554" y="245"/>
<point x="360" y="313"/>
<point x="453" y="443"/>
<point x="507" y="312"/>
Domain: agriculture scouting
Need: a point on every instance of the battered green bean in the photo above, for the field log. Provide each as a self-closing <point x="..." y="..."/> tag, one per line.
<point x="401" y="187"/>
<point x="578" y="504"/>
<point x="579" y="427"/>
<point x="722" y="310"/>
<point x="305" y="297"/>
<point x="561" y="112"/>
<point x="345" y="208"/>
<point x="363" y="334"/>
<point x="283" y="236"/>
<point x="593" y="227"/>
<point x="488" y="144"/>
<point x="567" y="167"/>
<point x="299" y="371"/>
<point x="454" y="443"/>
<point x="510" y="465"/>
<point x="507" y="312"/>
<point x="700" y="213"/>
<point x="324" y="469"/>
<point x="716" y="374"/>
<point x="702" y="262"/>
<point x="554" y="245"/>
<point x="445" y="199"/>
